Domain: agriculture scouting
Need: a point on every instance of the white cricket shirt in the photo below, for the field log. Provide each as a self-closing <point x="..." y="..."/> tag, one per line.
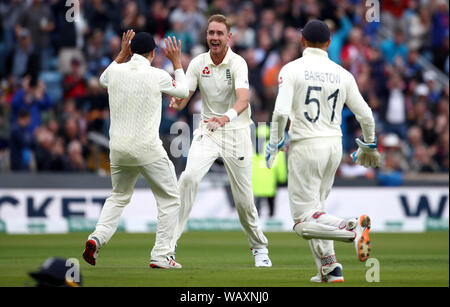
<point x="312" y="92"/>
<point x="218" y="84"/>
<point x="134" y="91"/>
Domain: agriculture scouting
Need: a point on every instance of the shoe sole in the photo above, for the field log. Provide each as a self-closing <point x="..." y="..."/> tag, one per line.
<point x="89" y="252"/>
<point x="154" y="266"/>
<point x="336" y="281"/>
<point x="364" y="246"/>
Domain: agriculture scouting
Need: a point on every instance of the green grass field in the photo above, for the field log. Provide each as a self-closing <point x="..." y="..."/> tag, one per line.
<point x="223" y="259"/>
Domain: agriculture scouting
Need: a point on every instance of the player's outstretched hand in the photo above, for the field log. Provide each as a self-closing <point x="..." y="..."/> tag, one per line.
<point x="173" y="51"/>
<point x="216" y="122"/>
<point x="176" y="103"/>
<point x="125" y="50"/>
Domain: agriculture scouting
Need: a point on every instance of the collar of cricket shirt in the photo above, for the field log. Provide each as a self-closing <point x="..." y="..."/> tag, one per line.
<point x="139" y="58"/>
<point x="225" y="60"/>
<point x="315" y="51"/>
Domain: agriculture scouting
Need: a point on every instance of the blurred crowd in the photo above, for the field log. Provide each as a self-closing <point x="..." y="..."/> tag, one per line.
<point x="54" y="113"/>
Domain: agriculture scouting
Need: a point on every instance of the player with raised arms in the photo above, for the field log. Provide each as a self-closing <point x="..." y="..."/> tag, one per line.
<point x="135" y="89"/>
<point x="222" y="77"/>
<point x="312" y="93"/>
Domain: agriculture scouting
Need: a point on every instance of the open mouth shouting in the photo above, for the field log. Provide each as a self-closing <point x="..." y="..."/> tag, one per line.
<point x="215" y="45"/>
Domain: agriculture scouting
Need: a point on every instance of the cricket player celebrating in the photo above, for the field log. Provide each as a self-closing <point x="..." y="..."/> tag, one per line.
<point x="134" y="90"/>
<point x="222" y="77"/>
<point x="312" y="93"/>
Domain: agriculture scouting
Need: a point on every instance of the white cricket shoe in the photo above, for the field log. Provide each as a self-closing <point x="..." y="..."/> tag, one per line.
<point x="317" y="278"/>
<point x="335" y="276"/>
<point x="362" y="241"/>
<point x="165" y="264"/>
<point x="262" y="259"/>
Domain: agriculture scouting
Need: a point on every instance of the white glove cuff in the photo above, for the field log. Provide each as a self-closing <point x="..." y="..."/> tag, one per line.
<point x="231" y="114"/>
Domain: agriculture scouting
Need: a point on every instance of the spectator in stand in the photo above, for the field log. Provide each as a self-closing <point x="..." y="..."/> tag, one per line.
<point x="158" y="19"/>
<point x="38" y="19"/>
<point x="98" y="16"/>
<point x="21" y="143"/>
<point x="9" y="13"/>
<point x="420" y="110"/>
<point x="96" y="103"/>
<point x="422" y="161"/>
<point x="390" y="172"/>
<point x="180" y="32"/>
<point x="5" y="125"/>
<point x="440" y="23"/>
<point x="442" y="151"/>
<point x="75" y="157"/>
<point x="74" y="84"/>
<point x="32" y="98"/>
<point x="244" y="37"/>
<point x="415" y="139"/>
<point x="191" y="17"/>
<point x="419" y="27"/>
<point x="24" y="59"/>
<point x="395" y="47"/>
<point x="270" y="75"/>
<point x="132" y="19"/>
<point x="49" y="156"/>
<point x="392" y="12"/>
<point x="396" y="107"/>
<point x="338" y="35"/>
<point x="69" y="36"/>
<point x="412" y="69"/>
<point x="114" y="48"/>
<point x="430" y="79"/>
<point x="95" y="52"/>
<point x="355" y="52"/>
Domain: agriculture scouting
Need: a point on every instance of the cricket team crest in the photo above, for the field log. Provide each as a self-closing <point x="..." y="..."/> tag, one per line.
<point x="228" y="74"/>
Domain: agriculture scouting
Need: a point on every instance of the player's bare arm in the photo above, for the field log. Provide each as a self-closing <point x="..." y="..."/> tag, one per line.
<point x="180" y="103"/>
<point x="241" y="104"/>
<point x="125" y="51"/>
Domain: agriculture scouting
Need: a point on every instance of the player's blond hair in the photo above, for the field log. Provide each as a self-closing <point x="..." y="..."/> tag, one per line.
<point x="220" y="19"/>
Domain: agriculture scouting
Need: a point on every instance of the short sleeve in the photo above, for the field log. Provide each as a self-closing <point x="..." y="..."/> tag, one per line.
<point x="240" y="74"/>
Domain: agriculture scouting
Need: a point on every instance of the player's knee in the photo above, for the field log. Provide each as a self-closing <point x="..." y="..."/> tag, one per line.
<point x="188" y="179"/>
<point x="119" y="199"/>
<point x="302" y="230"/>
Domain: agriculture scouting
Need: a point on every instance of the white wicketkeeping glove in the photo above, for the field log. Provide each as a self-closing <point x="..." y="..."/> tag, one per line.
<point x="367" y="154"/>
<point x="272" y="150"/>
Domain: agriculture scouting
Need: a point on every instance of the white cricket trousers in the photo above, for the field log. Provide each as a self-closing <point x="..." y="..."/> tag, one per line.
<point x="312" y="165"/>
<point x="162" y="180"/>
<point x="235" y="148"/>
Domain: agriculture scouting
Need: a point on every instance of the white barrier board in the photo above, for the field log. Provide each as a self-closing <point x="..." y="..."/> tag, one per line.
<point x="401" y="209"/>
